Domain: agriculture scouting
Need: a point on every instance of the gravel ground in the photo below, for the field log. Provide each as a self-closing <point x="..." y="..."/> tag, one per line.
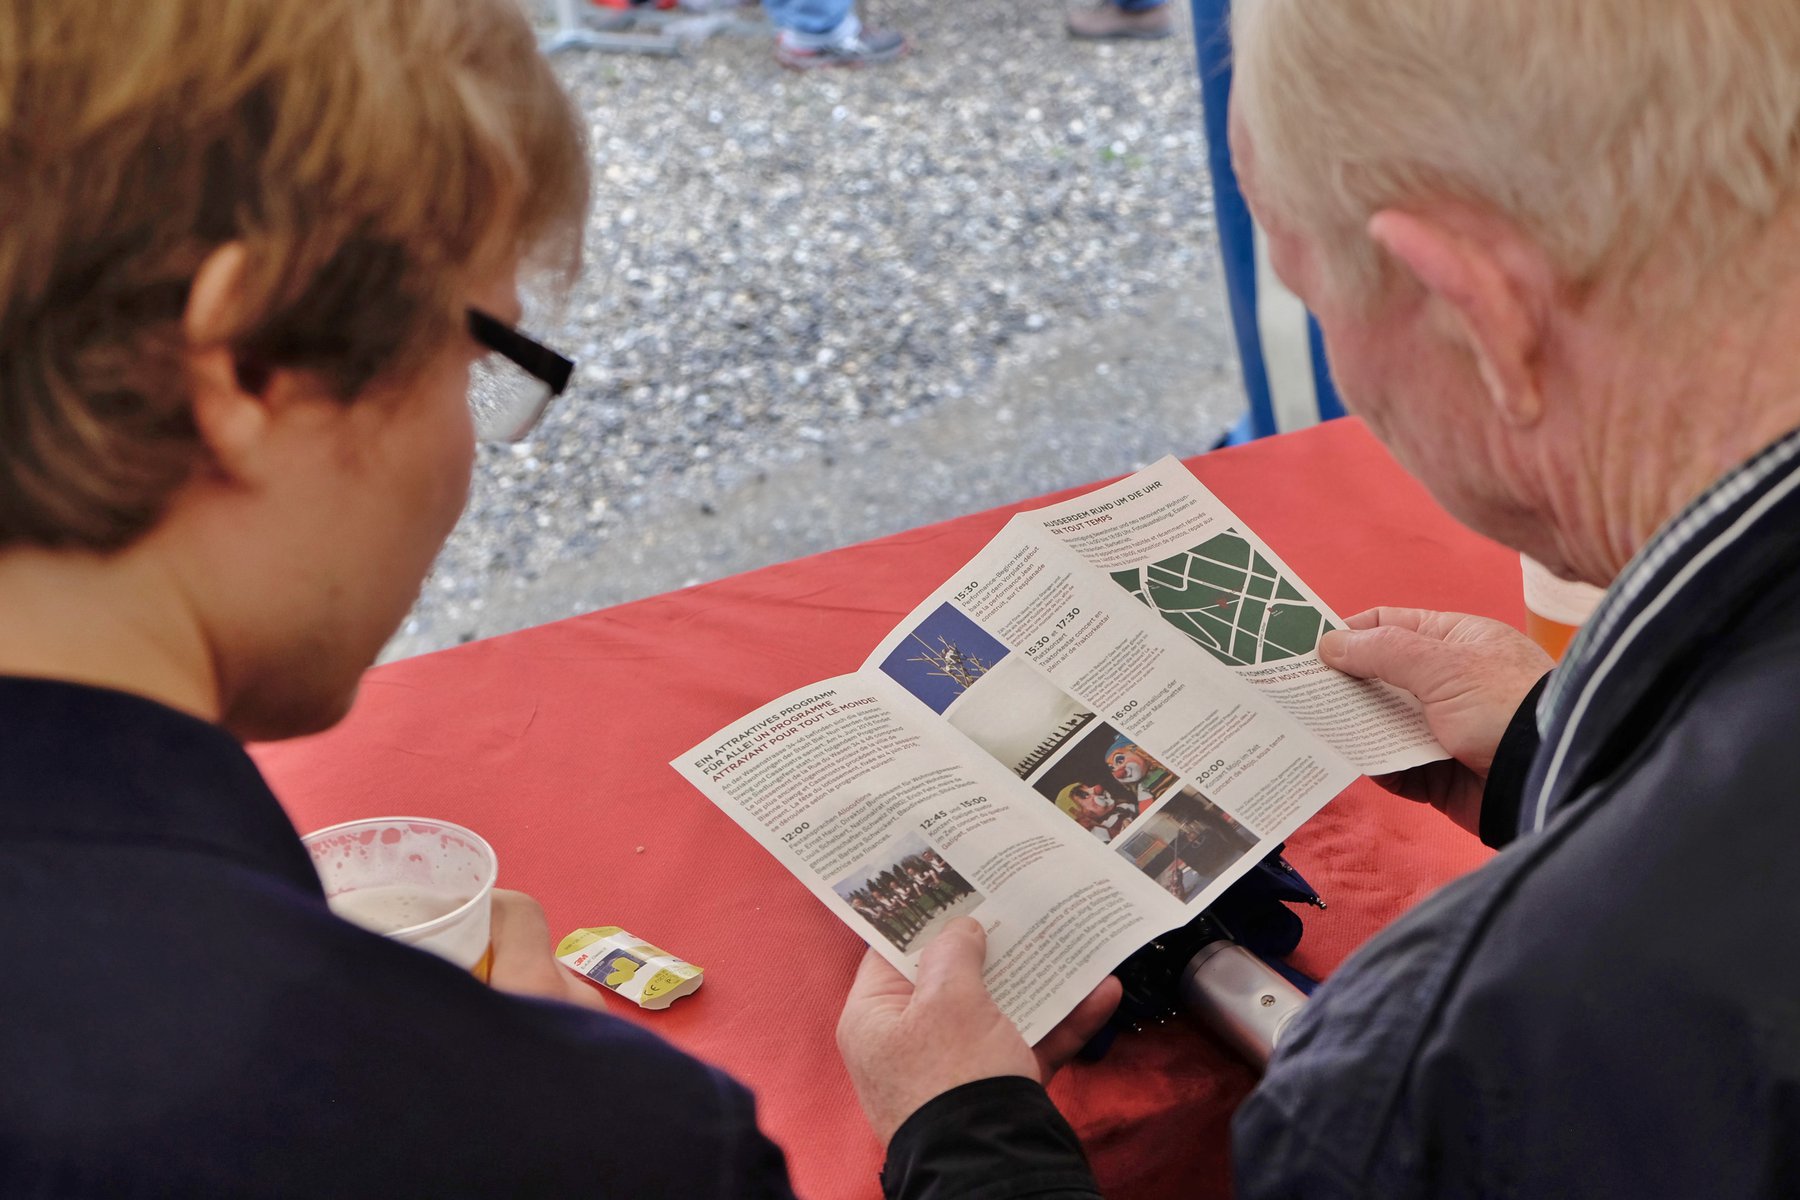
<point x="820" y="307"/>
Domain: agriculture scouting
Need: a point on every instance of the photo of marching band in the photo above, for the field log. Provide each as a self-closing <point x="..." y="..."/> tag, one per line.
<point x="908" y="892"/>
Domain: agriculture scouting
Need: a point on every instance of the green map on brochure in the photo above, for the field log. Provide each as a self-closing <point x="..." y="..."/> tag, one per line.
<point x="1230" y="601"/>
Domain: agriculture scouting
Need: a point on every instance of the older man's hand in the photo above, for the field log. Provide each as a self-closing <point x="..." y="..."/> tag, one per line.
<point x="1470" y="673"/>
<point x="906" y="1043"/>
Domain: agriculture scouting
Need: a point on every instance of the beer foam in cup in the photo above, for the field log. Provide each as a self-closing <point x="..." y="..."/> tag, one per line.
<point x="392" y="907"/>
<point x="424" y="882"/>
<point x="627" y="965"/>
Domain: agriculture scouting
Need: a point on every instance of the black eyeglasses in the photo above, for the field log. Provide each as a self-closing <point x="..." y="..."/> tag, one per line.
<point x="510" y="388"/>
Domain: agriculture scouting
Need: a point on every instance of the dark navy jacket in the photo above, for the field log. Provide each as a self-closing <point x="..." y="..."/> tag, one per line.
<point x="1610" y="1007"/>
<point x="181" y="1016"/>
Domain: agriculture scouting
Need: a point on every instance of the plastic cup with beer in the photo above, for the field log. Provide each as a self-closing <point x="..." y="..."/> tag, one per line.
<point x="1554" y="608"/>
<point x="424" y="882"/>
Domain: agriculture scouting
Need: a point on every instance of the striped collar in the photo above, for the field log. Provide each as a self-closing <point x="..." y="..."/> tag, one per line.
<point x="1665" y="575"/>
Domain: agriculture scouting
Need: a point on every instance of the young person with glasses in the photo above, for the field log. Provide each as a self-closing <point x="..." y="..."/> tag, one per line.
<point x="258" y="290"/>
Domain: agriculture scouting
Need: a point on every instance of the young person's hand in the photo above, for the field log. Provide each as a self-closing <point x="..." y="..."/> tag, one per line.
<point x="906" y="1043"/>
<point x="524" y="956"/>
<point x="1470" y="673"/>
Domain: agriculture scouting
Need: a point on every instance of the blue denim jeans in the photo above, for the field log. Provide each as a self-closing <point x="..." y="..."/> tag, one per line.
<point x="813" y="23"/>
<point x="1139" y="5"/>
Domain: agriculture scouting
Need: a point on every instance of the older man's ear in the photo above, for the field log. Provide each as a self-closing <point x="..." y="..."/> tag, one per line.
<point x="1490" y="289"/>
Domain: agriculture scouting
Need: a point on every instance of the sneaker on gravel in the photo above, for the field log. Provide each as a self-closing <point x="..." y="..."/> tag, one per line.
<point x="867" y="49"/>
<point x="1105" y="21"/>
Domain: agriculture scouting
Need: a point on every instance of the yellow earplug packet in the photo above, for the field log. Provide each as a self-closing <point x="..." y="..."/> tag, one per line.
<point x="621" y="962"/>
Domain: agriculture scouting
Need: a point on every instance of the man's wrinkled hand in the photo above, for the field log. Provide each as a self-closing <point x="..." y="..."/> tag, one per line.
<point x="525" y="957"/>
<point x="906" y="1043"/>
<point x="1470" y="673"/>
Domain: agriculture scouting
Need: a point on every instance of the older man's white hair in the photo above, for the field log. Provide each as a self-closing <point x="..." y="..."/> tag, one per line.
<point x="1612" y="132"/>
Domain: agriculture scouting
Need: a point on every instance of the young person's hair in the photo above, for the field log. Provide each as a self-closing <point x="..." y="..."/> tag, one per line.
<point x="369" y="156"/>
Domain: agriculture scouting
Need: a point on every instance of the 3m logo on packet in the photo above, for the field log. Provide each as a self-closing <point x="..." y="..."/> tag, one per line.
<point x="622" y="963"/>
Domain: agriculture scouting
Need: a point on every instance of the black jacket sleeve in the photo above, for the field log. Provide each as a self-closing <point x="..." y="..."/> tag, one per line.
<point x="994" y="1139"/>
<point x="1505" y="790"/>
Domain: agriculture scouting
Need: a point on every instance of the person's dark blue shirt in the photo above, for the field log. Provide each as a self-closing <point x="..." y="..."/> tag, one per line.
<point x="183" y="1016"/>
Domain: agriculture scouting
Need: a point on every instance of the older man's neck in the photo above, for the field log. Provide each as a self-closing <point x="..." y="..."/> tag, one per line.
<point x="1686" y="401"/>
<point x="115" y="621"/>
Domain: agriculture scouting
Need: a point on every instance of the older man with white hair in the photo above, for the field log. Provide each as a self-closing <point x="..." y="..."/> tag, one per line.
<point x="1552" y="246"/>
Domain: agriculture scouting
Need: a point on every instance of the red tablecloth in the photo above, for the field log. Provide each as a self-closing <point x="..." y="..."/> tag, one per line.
<point x="553" y="743"/>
